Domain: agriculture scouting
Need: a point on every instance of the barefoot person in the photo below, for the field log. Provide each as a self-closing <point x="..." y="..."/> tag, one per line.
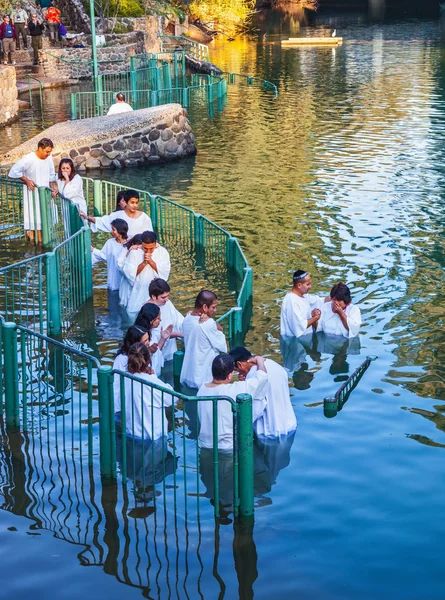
<point x="35" y="169"/>
<point x="300" y="311"/>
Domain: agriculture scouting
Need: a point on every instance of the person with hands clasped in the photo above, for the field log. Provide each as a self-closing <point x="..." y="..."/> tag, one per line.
<point x="340" y="316"/>
<point x="149" y="318"/>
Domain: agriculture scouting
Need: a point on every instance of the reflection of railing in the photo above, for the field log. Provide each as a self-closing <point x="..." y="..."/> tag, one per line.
<point x="182" y="43"/>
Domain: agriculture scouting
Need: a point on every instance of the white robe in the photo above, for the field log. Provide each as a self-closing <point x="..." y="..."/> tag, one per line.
<point x="73" y="190"/>
<point x="203" y="341"/>
<point x="331" y="323"/>
<point x="157" y="359"/>
<point x="139" y="292"/>
<point x="144" y="409"/>
<point x="295" y="313"/>
<point x="125" y="286"/>
<point x="278" y="417"/>
<point x="256" y="386"/>
<point x="119" y="107"/>
<point x="110" y="253"/>
<point x="139" y="225"/>
<point x="120" y="364"/>
<point x="169" y="316"/>
<point x="42" y="172"/>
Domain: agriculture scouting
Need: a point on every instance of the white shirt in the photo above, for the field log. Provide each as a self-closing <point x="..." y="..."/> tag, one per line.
<point x="169" y="316"/>
<point x="73" y="190"/>
<point x="331" y="323"/>
<point x="137" y="225"/>
<point x="295" y="313"/>
<point x="144" y="407"/>
<point x="120" y="364"/>
<point x="203" y="341"/>
<point x="119" y="107"/>
<point x="110" y="253"/>
<point x="140" y="283"/>
<point x="255" y="386"/>
<point x="278" y="417"/>
<point x="40" y="171"/>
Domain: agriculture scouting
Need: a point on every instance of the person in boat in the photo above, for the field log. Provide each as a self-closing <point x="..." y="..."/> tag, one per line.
<point x="300" y="310"/>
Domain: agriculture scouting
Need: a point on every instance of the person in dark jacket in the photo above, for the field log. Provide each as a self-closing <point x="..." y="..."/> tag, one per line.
<point x="35" y="28"/>
<point x="8" y="35"/>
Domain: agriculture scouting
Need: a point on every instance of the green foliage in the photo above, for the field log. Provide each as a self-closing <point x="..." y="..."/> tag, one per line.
<point x="229" y="16"/>
<point x="126" y="8"/>
<point x="122" y="28"/>
<point x="5" y="7"/>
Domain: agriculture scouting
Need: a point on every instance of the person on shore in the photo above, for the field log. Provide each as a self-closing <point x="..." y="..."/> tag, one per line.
<point x="120" y="106"/>
<point x="142" y="266"/>
<point x="70" y="184"/>
<point x="36" y="28"/>
<point x="20" y="19"/>
<point x="204" y="339"/>
<point x="149" y="317"/>
<point x="340" y="317"/>
<point x="221" y="385"/>
<point x="35" y="169"/>
<point x="278" y="417"/>
<point x="111" y="251"/>
<point x="8" y="36"/>
<point x="159" y="292"/>
<point x="138" y="221"/>
<point x="144" y="406"/>
<point x="134" y="335"/>
<point x="300" y="311"/>
<point x="52" y="16"/>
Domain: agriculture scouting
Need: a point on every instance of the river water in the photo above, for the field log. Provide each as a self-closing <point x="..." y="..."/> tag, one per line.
<point x="342" y="175"/>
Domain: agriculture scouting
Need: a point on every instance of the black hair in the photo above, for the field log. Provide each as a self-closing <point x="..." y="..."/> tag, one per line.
<point x="149" y="237"/>
<point x="205" y="297"/>
<point x="157" y="287"/>
<point x="120" y="196"/>
<point x="130" y="194"/>
<point x="45" y="143"/>
<point x="240" y="354"/>
<point x="134" y="334"/>
<point x="120" y="96"/>
<point x="222" y="366"/>
<point x="340" y="291"/>
<point x="136" y="240"/>
<point x="138" y="358"/>
<point x="148" y="313"/>
<point x="121" y="227"/>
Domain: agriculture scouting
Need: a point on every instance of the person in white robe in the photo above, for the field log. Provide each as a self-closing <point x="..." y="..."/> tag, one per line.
<point x="70" y="184"/>
<point x="35" y="169"/>
<point x="120" y="106"/>
<point x="134" y="335"/>
<point x="126" y="286"/>
<point x="111" y="251"/>
<point x="159" y="292"/>
<point x="221" y="385"/>
<point x="142" y="266"/>
<point x="340" y="317"/>
<point x="204" y="339"/>
<point x="300" y="311"/>
<point x="138" y="221"/>
<point x="144" y="405"/>
<point x="149" y="317"/>
<point x="278" y="417"/>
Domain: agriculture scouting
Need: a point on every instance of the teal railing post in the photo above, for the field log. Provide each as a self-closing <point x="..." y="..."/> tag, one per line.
<point x="73" y="107"/>
<point x="154" y="212"/>
<point x="199" y="242"/>
<point x="185" y="97"/>
<point x="106" y="428"/>
<point x="44" y="216"/>
<point x="53" y="294"/>
<point x="88" y="266"/>
<point x="97" y="197"/>
<point x="11" y="376"/>
<point x="245" y="456"/>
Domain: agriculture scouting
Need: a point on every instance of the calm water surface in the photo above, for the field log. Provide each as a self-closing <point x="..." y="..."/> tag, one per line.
<point x="341" y="174"/>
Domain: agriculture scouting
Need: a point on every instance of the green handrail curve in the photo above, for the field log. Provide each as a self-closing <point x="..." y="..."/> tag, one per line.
<point x="194" y="48"/>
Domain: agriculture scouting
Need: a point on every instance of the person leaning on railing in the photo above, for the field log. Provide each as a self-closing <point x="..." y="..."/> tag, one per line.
<point x="36" y="28"/>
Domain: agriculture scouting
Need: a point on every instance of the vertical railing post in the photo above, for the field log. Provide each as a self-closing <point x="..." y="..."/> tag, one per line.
<point x="53" y="294"/>
<point x="154" y="212"/>
<point x="73" y="106"/>
<point x="245" y="450"/>
<point x="106" y="431"/>
<point x="43" y="195"/>
<point x="185" y="97"/>
<point x="97" y="197"/>
<point x="87" y="262"/>
<point x="11" y="376"/>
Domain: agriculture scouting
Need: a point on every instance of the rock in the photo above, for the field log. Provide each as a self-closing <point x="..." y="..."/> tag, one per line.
<point x="119" y="145"/>
<point x="180" y="137"/>
<point x="134" y="144"/>
<point x="166" y="135"/>
<point x="116" y="164"/>
<point x="171" y="146"/>
<point x="92" y="163"/>
<point x="96" y="153"/>
<point x="107" y="147"/>
<point x="154" y="135"/>
<point x="73" y="153"/>
<point x="105" y="162"/>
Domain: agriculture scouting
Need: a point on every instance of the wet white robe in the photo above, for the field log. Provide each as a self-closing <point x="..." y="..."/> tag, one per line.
<point x="125" y="286"/>
<point x="169" y="316"/>
<point x="139" y="225"/>
<point x="278" y="417"/>
<point x="295" y="313"/>
<point x="120" y="364"/>
<point x="42" y="172"/>
<point x="203" y="341"/>
<point x="139" y="292"/>
<point x="144" y="410"/>
<point x="110" y="253"/>
<point x="73" y="190"/>
<point x="256" y="386"/>
<point x="331" y="323"/>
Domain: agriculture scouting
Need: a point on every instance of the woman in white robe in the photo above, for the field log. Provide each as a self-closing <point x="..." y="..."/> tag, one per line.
<point x="340" y="316"/>
<point x="134" y="334"/>
<point x="70" y="184"/>
<point x="110" y="253"/>
<point x="149" y="318"/>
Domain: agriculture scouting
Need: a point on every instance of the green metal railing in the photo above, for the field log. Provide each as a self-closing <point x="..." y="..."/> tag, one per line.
<point x="250" y="81"/>
<point x="181" y="43"/>
<point x="11" y="207"/>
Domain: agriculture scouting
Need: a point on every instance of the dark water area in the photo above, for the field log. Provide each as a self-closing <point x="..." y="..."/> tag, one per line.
<point x="341" y="174"/>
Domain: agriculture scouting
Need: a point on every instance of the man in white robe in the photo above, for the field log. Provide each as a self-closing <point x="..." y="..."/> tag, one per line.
<point x="204" y="339"/>
<point x="300" y="310"/>
<point x="222" y="374"/>
<point x="142" y="266"/>
<point x="278" y="417"/>
<point x="159" y="292"/>
<point x="35" y="169"/>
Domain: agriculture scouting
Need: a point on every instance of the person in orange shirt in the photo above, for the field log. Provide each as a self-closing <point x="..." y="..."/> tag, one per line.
<point x="53" y="17"/>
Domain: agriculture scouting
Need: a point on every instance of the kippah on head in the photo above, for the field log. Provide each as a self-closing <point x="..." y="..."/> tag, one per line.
<point x="240" y="354"/>
<point x="299" y="275"/>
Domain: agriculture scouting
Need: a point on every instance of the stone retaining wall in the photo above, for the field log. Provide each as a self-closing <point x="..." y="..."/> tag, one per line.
<point x="147" y="136"/>
<point x="9" y="105"/>
<point x="75" y="13"/>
